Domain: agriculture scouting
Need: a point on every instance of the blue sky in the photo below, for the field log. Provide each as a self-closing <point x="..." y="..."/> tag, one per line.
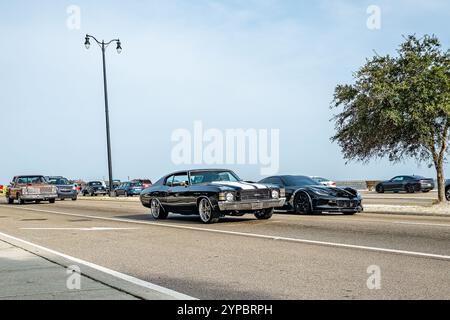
<point x="260" y="64"/>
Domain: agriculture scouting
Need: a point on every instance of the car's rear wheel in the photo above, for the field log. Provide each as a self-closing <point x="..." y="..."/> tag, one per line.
<point x="157" y="211"/>
<point x="74" y="198"/>
<point x="302" y="203"/>
<point x="447" y="194"/>
<point x="52" y="200"/>
<point x="350" y="213"/>
<point x="379" y="189"/>
<point x="265" y="214"/>
<point x="206" y="211"/>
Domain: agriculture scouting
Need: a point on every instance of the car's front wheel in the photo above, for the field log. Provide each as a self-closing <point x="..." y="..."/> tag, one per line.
<point x="207" y="212"/>
<point x="265" y="214"/>
<point x="157" y="211"/>
<point x="379" y="189"/>
<point x="52" y="200"/>
<point x="9" y="200"/>
<point x="302" y="203"/>
<point x="410" y="188"/>
<point x="447" y="194"/>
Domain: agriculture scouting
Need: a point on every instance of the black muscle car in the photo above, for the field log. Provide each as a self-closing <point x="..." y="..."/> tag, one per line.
<point x="409" y="184"/>
<point x="304" y="195"/>
<point x="211" y="194"/>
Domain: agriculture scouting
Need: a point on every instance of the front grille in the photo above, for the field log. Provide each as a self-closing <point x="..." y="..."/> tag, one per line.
<point x="257" y="194"/>
<point x="347" y="203"/>
<point x="46" y="190"/>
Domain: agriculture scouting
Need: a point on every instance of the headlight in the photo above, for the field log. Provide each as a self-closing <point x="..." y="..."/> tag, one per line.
<point x="275" y="194"/>
<point x="229" y="197"/>
<point x="320" y="192"/>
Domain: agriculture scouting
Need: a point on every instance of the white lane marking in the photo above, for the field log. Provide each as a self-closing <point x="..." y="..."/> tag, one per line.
<point x="255" y="235"/>
<point x="122" y="276"/>
<point x="82" y="229"/>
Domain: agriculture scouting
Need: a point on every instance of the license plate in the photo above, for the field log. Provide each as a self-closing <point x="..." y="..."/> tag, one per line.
<point x="257" y="206"/>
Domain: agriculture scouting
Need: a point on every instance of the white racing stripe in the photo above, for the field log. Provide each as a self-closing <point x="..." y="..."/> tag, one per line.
<point x="235" y="184"/>
<point x="254" y="235"/>
<point x="122" y="276"/>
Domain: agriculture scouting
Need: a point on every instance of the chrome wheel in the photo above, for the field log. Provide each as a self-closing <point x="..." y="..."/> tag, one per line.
<point x="155" y="208"/>
<point x="205" y="210"/>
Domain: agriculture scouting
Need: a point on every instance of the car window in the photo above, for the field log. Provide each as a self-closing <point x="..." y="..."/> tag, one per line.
<point x="398" y="179"/>
<point x="179" y="179"/>
<point x="31" y="180"/>
<point x="169" y="181"/>
<point x="199" y="177"/>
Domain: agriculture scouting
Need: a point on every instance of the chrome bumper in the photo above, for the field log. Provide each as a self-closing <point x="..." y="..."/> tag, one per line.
<point x="251" y="205"/>
<point x="28" y="197"/>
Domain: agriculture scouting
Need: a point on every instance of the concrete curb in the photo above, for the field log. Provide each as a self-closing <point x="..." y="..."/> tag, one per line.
<point x="132" y="287"/>
<point x="407" y="213"/>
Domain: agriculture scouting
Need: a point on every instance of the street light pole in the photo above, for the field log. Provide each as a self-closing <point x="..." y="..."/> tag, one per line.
<point x="103" y="46"/>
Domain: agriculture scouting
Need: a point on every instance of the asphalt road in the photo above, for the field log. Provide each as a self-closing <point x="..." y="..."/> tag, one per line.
<point x="287" y="257"/>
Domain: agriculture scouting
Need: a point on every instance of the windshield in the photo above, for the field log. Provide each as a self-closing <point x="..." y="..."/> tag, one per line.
<point x="95" y="183"/>
<point x="31" y="180"/>
<point x="199" y="177"/>
<point x="59" y="181"/>
<point x="136" y="185"/>
<point x="300" y="181"/>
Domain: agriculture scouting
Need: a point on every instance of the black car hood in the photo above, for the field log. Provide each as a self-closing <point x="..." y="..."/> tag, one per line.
<point x="238" y="186"/>
<point x="329" y="191"/>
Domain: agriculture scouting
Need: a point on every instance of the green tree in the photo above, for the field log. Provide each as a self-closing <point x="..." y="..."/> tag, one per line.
<point x="398" y="107"/>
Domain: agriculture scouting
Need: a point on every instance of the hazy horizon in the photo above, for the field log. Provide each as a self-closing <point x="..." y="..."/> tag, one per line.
<point x="230" y="64"/>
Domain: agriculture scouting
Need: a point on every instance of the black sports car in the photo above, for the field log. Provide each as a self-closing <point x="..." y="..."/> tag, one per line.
<point x="211" y="194"/>
<point x="409" y="184"/>
<point x="304" y="195"/>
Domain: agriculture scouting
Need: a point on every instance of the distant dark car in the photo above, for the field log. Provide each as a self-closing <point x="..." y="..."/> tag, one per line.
<point x="447" y="189"/>
<point x="94" y="188"/>
<point x="128" y="189"/>
<point x="408" y="184"/>
<point x="304" y="195"/>
<point x="211" y="194"/>
<point x="66" y="189"/>
<point x="146" y="183"/>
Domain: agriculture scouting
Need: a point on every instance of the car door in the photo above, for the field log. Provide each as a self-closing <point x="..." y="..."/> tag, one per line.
<point x="396" y="183"/>
<point x="181" y="201"/>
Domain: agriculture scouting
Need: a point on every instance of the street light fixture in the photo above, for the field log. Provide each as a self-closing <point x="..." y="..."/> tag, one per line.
<point x="103" y="46"/>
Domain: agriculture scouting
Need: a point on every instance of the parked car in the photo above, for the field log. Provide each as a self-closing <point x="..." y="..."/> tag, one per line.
<point x="2" y="190"/>
<point x="324" y="181"/>
<point x="66" y="189"/>
<point x="30" y="188"/>
<point x="128" y="189"/>
<point x="146" y="183"/>
<point x="304" y="195"/>
<point x="408" y="184"/>
<point x="211" y="194"/>
<point x="94" y="188"/>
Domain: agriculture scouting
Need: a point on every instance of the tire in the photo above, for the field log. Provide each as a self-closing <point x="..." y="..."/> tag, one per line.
<point x="266" y="214"/>
<point x="62" y="199"/>
<point x="9" y="200"/>
<point x="38" y="201"/>
<point x="302" y="205"/>
<point x="52" y="201"/>
<point x="74" y="198"/>
<point x="379" y="189"/>
<point x="410" y="188"/>
<point x="447" y="194"/>
<point x="207" y="213"/>
<point x="19" y="198"/>
<point x="351" y="213"/>
<point x="426" y="191"/>
<point x="157" y="211"/>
